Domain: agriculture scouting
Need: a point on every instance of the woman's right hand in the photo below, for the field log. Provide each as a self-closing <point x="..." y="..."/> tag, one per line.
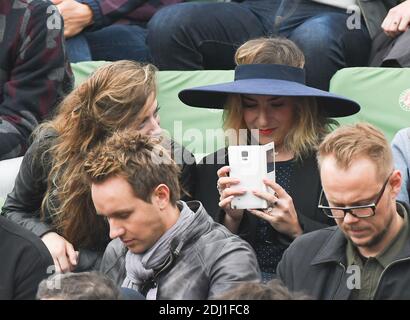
<point x="227" y="194"/>
<point x="63" y="253"/>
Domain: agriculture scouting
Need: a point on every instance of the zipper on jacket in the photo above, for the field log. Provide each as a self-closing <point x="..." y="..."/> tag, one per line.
<point x="340" y="280"/>
<point x="383" y="272"/>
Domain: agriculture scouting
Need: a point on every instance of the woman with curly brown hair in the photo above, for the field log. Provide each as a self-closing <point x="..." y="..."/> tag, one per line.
<point x="51" y="196"/>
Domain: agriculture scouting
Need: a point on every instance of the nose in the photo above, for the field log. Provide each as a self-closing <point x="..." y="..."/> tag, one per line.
<point x="263" y="118"/>
<point x="350" y="219"/>
<point x="154" y="127"/>
<point x="115" y="230"/>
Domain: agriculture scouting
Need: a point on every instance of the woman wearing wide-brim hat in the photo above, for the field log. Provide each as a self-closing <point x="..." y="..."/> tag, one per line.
<point x="269" y="94"/>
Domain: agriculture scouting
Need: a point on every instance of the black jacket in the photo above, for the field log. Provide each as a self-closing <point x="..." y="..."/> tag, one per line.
<point x="305" y="185"/>
<point x="25" y="261"/>
<point x="315" y="263"/>
<point x="211" y="260"/>
<point x="24" y="202"/>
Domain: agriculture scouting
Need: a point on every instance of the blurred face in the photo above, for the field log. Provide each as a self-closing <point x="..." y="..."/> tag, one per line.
<point x="361" y="185"/>
<point x="137" y="223"/>
<point x="148" y="120"/>
<point x="273" y="116"/>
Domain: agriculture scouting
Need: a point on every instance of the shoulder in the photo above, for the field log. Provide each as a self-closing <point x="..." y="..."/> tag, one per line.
<point x="219" y="241"/>
<point x="402" y="138"/>
<point x="308" y="245"/>
<point x="21" y="243"/>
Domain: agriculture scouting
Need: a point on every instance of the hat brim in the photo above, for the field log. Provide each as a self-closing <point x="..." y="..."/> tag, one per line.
<point x="214" y="96"/>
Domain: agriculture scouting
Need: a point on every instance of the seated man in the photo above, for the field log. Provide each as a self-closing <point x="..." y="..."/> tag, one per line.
<point x="34" y="72"/>
<point x="25" y="261"/>
<point x="367" y="255"/>
<point x="175" y="249"/>
<point x="107" y="30"/>
<point x="201" y="35"/>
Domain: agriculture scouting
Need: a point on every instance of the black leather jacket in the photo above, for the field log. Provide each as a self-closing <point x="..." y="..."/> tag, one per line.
<point x="208" y="264"/>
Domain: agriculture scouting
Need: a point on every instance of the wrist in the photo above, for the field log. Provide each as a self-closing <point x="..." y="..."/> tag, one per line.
<point x="87" y="14"/>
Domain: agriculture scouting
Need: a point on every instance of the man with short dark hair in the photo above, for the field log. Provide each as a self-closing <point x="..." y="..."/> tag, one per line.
<point x="367" y="255"/>
<point x="34" y="71"/>
<point x="175" y="249"/>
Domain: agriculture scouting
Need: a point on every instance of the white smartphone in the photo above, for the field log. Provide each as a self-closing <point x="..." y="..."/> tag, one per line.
<point x="251" y="164"/>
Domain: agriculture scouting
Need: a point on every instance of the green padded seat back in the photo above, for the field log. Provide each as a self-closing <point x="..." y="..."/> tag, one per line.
<point x="383" y="93"/>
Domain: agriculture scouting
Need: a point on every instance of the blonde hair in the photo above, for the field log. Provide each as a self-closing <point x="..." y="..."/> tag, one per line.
<point x="140" y="159"/>
<point x="270" y="50"/>
<point x="111" y="99"/>
<point x="310" y="125"/>
<point x="350" y="142"/>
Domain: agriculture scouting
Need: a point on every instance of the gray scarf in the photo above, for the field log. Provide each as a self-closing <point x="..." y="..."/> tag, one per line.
<point x="140" y="267"/>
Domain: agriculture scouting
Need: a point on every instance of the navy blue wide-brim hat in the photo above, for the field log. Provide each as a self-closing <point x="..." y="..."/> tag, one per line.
<point x="267" y="79"/>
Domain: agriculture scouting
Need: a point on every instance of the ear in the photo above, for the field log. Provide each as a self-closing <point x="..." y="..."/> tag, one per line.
<point x="161" y="196"/>
<point x="395" y="183"/>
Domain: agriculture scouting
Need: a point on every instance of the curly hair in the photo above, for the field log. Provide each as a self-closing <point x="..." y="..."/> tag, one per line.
<point x="111" y="99"/>
<point x="140" y="159"/>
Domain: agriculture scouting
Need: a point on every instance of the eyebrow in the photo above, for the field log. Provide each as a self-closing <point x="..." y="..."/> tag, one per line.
<point x="357" y="203"/>
<point x="116" y="213"/>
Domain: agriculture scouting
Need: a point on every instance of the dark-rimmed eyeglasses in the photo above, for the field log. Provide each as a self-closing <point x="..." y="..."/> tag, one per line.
<point x="364" y="211"/>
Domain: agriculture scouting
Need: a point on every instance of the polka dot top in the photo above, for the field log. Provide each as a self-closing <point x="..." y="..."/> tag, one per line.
<point x="268" y="249"/>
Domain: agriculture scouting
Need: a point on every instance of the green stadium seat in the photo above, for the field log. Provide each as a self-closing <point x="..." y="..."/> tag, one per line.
<point x="383" y="93"/>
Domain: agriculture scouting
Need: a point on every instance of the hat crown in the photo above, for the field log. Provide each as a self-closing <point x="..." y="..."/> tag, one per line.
<point x="270" y="71"/>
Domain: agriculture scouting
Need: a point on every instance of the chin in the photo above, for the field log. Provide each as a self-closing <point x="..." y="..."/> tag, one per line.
<point x="265" y="140"/>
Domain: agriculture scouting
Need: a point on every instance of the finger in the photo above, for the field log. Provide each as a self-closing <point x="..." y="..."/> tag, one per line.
<point x="57" y="266"/>
<point x="223" y="172"/>
<point x="281" y="193"/>
<point x="225" y="202"/>
<point x="262" y="215"/>
<point x="223" y="182"/>
<point x="65" y="265"/>
<point x="266" y="196"/>
<point x="404" y="24"/>
<point x="71" y="254"/>
<point x="232" y="192"/>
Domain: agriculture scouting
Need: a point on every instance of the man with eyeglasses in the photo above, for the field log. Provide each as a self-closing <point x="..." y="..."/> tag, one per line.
<point x="367" y="255"/>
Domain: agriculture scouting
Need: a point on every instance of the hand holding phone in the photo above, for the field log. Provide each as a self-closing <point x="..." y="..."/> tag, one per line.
<point x="249" y="166"/>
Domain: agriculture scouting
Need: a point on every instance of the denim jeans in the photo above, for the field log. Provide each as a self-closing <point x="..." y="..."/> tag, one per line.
<point x="115" y="42"/>
<point x="190" y="36"/>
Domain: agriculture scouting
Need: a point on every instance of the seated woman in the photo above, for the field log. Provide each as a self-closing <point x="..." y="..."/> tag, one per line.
<point x="269" y="96"/>
<point x="401" y="156"/>
<point x="51" y="196"/>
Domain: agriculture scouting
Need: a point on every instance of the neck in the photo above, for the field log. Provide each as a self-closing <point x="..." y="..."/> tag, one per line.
<point x="283" y="155"/>
<point x="171" y="216"/>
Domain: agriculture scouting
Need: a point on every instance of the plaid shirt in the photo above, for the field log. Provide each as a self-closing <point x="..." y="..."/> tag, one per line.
<point x="107" y="12"/>
<point x="34" y="71"/>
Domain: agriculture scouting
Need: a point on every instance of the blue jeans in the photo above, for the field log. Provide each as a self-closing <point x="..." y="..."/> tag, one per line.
<point x="115" y="42"/>
<point x="191" y="36"/>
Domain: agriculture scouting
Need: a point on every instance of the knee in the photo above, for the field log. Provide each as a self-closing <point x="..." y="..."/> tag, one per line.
<point x="171" y="19"/>
<point x="327" y="31"/>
